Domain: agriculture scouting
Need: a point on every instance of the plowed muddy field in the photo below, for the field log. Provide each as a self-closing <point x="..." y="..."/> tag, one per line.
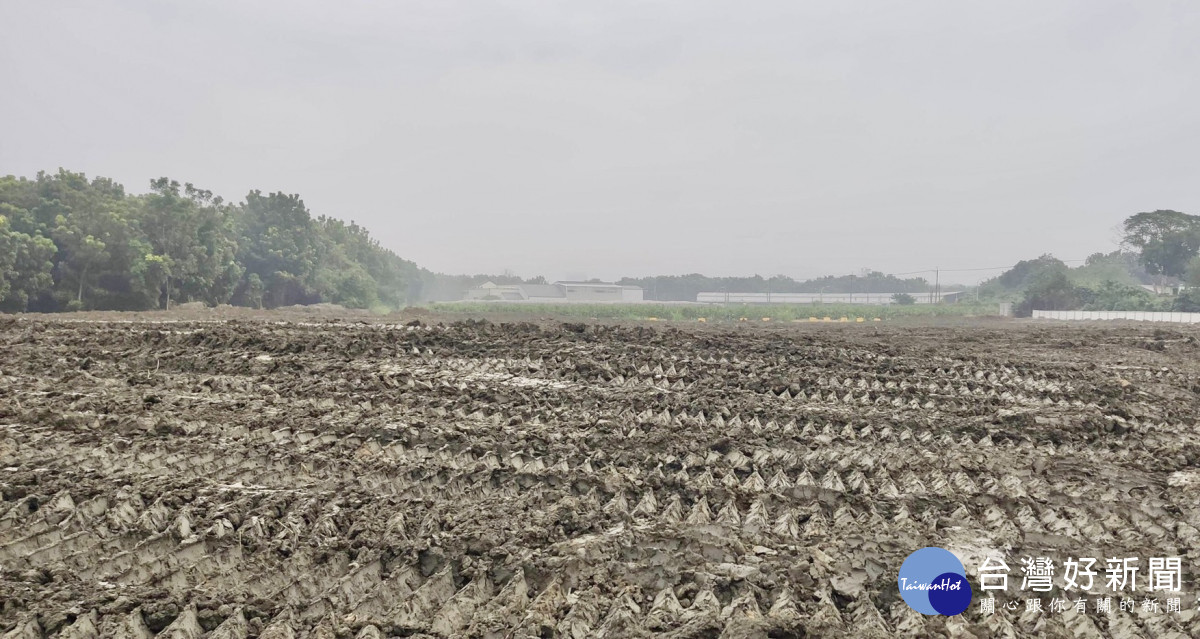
<point x="338" y="479"/>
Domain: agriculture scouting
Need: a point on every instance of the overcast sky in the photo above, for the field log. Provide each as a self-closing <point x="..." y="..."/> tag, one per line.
<point x="604" y="139"/>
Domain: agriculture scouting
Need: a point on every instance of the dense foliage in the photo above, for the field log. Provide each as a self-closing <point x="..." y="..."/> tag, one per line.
<point x="1164" y="240"/>
<point x="1105" y="282"/>
<point x="70" y="243"/>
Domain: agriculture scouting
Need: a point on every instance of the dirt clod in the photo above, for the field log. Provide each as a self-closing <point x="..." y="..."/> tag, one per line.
<point x="355" y="479"/>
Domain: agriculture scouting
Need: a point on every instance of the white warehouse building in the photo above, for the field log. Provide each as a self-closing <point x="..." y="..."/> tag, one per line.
<point x="557" y="292"/>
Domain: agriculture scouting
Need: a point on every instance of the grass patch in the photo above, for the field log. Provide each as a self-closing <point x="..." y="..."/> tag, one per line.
<point x="718" y="312"/>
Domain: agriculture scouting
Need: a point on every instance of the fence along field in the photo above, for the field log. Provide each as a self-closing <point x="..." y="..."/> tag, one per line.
<point x="1140" y="316"/>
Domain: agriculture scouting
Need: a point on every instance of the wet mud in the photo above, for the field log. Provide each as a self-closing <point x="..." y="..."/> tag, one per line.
<point x="324" y="479"/>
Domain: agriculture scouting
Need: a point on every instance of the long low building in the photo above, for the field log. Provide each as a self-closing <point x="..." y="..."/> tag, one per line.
<point x="556" y="292"/>
<point x="721" y="297"/>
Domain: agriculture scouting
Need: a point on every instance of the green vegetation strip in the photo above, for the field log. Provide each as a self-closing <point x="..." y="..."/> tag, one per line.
<point x="732" y="312"/>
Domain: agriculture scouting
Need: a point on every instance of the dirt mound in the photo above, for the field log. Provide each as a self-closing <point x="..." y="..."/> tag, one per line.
<point x="268" y="479"/>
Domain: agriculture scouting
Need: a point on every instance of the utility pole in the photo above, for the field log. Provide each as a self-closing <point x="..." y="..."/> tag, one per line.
<point x="937" y="284"/>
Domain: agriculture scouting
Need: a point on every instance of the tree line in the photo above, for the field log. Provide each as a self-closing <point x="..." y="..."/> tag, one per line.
<point x="1159" y="248"/>
<point x="70" y="243"/>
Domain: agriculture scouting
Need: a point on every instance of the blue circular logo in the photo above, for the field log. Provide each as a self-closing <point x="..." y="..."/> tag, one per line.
<point x="932" y="582"/>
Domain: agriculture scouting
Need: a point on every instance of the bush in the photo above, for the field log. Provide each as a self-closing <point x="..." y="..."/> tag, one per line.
<point x="1050" y="290"/>
<point x="1114" y="296"/>
<point x="1188" y="301"/>
<point x="903" y="299"/>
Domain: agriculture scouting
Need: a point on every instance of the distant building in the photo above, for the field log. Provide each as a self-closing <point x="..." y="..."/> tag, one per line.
<point x="493" y="291"/>
<point x="542" y="291"/>
<point x="556" y="292"/>
<point x="722" y="297"/>
<point x="600" y="292"/>
<point x="1166" y="289"/>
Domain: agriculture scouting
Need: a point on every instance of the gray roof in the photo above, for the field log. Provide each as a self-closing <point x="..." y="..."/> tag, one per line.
<point x="592" y="284"/>
<point x="542" y="290"/>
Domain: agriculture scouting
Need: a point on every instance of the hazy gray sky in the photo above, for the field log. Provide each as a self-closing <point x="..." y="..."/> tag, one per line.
<point x="614" y="138"/>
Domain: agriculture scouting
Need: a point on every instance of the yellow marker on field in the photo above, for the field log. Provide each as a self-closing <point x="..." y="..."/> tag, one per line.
<point x="876" y="320"/>
<point x="813" y="319"/>
<point x="652" y="319"/>
<point x="743" y="319"/>
<point x="766" y="319"/>
<point x="842" y="319"/>
<point x="701" y="319"/>
<point x="826" y="319"/>
<point x="858" y="319"/>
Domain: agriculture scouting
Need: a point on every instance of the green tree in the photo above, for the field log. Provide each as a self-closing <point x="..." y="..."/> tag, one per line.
<point x="1025" y="272"/>
<point x="67" y="242"/>
<point x="1165" y="240"/>
<point x="1192" y="273"/>
<point x="254" y="290"/>
<point x="84" y="253"/>
<point x="154" y="271"/>
<point x="1119" y="267"/>
<point x="1188" y="299"/>
<point x="1116" y="296"/>
<point x="195" y="231"/>
<point x="1049" y="290"/>
<point x="26" y="262"/>
<point x="69" y="209"/>
<point x="281" y="246"/>
<point x="355" y="270"/>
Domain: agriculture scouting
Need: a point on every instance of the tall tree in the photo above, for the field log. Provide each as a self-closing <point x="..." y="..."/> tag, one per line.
<point x="26" y="262"/>
<point x="193" y="231"/>
<point x="1192" y="275"/>
<point x="1165" y="240"/>
<point x="281" y="246"/>
<point x="1049" y="290"/>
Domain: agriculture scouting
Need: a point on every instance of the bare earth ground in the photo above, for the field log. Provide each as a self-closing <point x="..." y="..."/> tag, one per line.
<point x="356" y="479"/>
